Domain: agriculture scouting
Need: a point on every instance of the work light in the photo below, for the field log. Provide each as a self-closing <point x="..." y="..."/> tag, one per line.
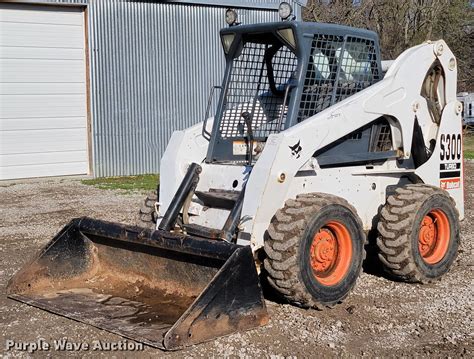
<point x="231" y="17"/>
<point x="285" y="10"/>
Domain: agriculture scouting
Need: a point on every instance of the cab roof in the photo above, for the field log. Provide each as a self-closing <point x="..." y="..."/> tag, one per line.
<point x="301" y="28"/>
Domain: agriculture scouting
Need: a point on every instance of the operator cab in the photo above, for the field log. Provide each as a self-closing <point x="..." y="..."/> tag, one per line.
<point x="279" y="74"/>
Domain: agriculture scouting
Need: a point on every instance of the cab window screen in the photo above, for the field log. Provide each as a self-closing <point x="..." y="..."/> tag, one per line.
<point x="250" y="90"/>
<point x="338" y="67"/>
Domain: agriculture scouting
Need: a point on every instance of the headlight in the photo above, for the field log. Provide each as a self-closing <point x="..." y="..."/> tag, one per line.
<point x="227" y="41"/>
<point x="288" y="36"/>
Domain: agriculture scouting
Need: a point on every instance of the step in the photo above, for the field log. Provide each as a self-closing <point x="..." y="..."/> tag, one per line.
<point x="218" y="198"/>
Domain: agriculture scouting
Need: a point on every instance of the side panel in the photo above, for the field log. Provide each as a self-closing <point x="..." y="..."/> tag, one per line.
<point x="365" y="191"/>
<point x="445" y="168"/>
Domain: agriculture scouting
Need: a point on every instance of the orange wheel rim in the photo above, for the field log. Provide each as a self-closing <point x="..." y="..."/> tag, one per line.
<point x="331" y="253"/>
<point x="434" y="236"/>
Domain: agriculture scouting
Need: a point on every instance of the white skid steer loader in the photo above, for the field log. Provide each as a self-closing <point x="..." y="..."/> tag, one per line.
<point x="311" y="147"/>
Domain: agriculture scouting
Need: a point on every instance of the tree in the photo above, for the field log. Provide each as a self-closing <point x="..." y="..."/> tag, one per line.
<point x="402" y="24"/>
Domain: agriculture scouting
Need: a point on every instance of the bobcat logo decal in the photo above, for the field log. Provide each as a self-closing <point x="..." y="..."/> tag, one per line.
<point x="296" y="149"/>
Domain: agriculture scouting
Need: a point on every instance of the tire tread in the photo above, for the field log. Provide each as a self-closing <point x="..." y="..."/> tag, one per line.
<point x="282" y="244"/>
<point x="395" y="230"/>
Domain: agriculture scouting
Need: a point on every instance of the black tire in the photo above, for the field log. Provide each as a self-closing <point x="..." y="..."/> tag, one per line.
<point x="147" y="213"/>
<point x="405" y="254"/>
<point x="293" y="231"/>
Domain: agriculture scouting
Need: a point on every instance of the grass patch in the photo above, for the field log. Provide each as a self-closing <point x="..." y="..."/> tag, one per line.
<point x="146" y="182"/>
<point x="469" y="146"/>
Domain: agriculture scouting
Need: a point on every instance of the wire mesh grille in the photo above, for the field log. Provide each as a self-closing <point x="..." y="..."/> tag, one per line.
<point x="249" y="91"/>
<point x="337" y="69"/>
<point x="384" y="138"/>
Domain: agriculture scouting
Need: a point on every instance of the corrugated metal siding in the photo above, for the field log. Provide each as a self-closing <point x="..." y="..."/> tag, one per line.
<point x="152" y="65"/>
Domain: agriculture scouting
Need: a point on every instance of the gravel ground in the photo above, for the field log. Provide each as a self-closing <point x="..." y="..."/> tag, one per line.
<point x="380" y="317"/>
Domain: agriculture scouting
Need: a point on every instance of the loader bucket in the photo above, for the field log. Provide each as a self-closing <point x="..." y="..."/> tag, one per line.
<point x="163" y="289"/>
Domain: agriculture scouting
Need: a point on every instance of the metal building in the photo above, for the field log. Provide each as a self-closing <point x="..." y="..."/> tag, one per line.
<point x="97" y="87"/>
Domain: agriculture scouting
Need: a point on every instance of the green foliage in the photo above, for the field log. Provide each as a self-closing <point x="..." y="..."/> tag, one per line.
<point x="456" y="26"/>
<point x="469" y="147"/>
<point x="146" y="182"/>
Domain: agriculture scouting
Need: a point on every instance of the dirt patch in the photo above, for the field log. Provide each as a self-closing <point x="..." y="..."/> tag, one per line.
<point x="379" y="318"/>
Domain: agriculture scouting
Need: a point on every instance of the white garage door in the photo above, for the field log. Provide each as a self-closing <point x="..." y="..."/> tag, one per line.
<point x="42" y="91"/>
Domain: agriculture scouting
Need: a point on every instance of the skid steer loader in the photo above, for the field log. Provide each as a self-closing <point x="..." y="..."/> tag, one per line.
<point x="313" y="145"/>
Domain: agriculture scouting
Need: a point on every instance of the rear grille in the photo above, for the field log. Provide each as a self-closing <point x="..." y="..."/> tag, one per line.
<point x="384" y="138"/>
